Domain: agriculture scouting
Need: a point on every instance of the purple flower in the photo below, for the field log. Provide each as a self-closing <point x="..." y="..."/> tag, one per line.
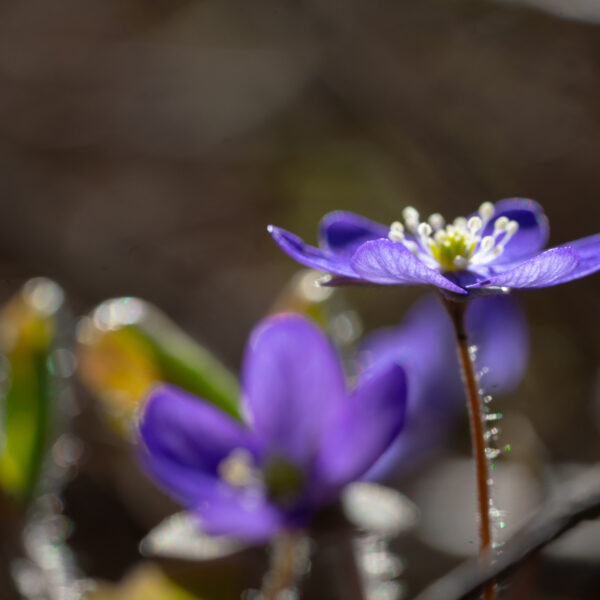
<point x="305" y="438"/>
<point x="424" y="345"/>
<point x="499" y="246"/>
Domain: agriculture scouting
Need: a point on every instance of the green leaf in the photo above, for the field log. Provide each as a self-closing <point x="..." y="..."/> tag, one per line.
<point x="28" y="329"/>
<point x="126" y="346"/>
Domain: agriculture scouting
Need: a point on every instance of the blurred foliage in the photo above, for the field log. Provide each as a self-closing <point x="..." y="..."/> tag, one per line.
<point x="28" y="329"/>
<point x="216" y="580"/>
<point x="146" y="583"/>
<point x="127" y="345"/>
<point x="302" y="294"/>
<point x="325" y="305"/>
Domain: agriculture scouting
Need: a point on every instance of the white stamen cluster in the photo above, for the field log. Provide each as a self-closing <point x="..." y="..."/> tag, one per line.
<point x="239" y="470"/>
<point x="455" y="246"/>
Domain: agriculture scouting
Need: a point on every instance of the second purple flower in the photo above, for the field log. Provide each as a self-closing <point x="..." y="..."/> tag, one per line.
<point x="306" y="435"/>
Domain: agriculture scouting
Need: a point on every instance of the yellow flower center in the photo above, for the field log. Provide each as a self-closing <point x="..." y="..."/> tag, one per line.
<point x="456" y="246"/>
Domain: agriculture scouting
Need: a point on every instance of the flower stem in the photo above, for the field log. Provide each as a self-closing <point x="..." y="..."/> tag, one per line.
<point x="457" y="310"/>
<point x="290" y="557"/>
<point x="350" y="571"/>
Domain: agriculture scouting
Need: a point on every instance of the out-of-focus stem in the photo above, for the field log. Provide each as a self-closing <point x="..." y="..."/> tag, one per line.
<point x="457" y="310"/>
<point x="287" y="565"/>
<point x="352" y="580"/>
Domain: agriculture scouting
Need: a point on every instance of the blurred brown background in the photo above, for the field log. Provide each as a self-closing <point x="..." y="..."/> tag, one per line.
<point x="145" y="146"/>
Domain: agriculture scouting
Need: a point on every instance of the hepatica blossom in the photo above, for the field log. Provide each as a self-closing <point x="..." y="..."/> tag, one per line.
<point x="424" y="345"/>
<point x="304" y="438"/>
<point x="499" y="246"/>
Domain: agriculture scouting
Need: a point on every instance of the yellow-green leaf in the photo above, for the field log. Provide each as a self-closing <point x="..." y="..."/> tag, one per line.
<point x="126" y="345"/>
<point x="28" y="327"/>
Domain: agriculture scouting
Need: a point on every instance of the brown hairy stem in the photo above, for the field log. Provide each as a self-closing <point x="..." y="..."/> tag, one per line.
<point x="456" y="310"/>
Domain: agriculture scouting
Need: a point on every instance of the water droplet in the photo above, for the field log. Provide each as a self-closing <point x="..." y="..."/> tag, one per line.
<point x="62" y="363"/>
<point x="493" y="417"/>
<point x="119" y="312"/>
<point x="346" y="327"/>
<point x="491" y="453"/>
<point x="491" y="434"/>
<point x="43" y="295"/>
<point x="67" y="450"/>
<point x="307" y="288"/>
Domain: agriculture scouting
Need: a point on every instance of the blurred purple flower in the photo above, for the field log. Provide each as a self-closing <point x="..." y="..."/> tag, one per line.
<point x="306" y="436"/>
<point x="425" y="346"/>
<point x="499" y="246"/>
